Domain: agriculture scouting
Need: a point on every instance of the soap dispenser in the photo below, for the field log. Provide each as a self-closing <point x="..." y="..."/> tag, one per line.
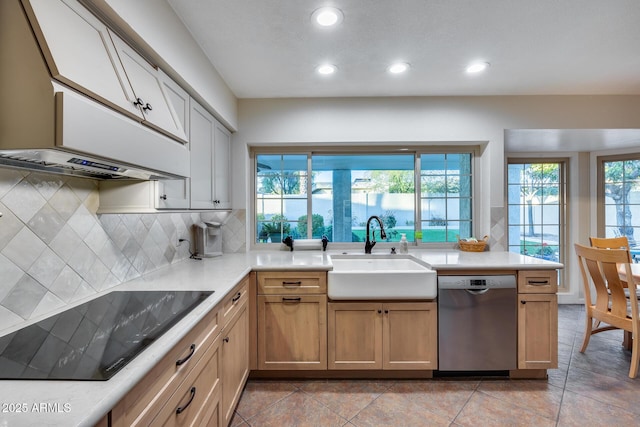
<point x="404" y="245"/>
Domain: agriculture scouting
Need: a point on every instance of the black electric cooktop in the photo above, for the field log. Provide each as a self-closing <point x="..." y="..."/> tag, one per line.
<point x="96" y="339"/>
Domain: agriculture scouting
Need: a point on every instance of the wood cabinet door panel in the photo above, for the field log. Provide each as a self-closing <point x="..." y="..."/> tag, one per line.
<point x="410" y="336"/>
<point x="537" y="331"/>
<point x="235" y="360"/>
<point x="355" y="335"/>
<point x="292" y="332"/>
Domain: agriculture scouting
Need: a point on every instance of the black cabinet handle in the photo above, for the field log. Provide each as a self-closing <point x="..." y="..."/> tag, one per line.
<point x="182" y="408"/>
<point x="147" y="107"/>
<point x="138" y="102"/>
<point x="298" y="299"/>
<point x="523" y="302"/>
<point x="538" y="282"/>
<point x="163" y="197"/>
<point x="225" y="339"/>
<point x="298" y="283"/>
<point x="192" y="349"/>
<point x="386" y="312"/>
<point x="237" y="297"/>
<point x="379" y="311"/>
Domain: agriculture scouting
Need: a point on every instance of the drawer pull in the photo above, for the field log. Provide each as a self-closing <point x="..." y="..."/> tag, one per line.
<point x="538" y="282"/>
<point x="298" y="299"/>
<point x="225" y="339"/>
<point x="298" y="283"/>
<point x="192" y="350"/>
<point x="182" y="408"/>
<point x="523" y="302"/>
<point x="236" y="298"/>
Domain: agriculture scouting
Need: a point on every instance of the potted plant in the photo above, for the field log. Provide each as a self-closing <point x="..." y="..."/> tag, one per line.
<point x="276" y="228"/>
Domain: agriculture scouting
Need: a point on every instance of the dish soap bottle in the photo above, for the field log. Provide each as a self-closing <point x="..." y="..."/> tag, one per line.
<point x="404" y="245"/>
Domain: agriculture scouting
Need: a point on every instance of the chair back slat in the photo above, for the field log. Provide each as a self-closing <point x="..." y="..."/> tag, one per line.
<point x="602" y="266"/>
<point x="611" y="243"/>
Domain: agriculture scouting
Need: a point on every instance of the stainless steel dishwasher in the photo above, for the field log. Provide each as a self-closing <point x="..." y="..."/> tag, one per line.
<point x="477" y="323"/>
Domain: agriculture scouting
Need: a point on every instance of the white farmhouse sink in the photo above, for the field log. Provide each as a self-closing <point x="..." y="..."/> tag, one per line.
<point x="376" y="277"/>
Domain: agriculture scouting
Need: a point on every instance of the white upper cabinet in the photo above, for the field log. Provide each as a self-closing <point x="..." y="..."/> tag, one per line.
<point x="149" y="90"/>
<point x="210" y="158"/>
<point x="221" y="170"/>
<point x="82" y="53"/>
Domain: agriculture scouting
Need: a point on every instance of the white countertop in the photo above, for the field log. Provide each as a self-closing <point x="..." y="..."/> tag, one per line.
<point x="83" y="403"/>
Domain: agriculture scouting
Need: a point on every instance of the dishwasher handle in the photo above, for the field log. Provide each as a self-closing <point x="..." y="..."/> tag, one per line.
<point x="477" y="291"/>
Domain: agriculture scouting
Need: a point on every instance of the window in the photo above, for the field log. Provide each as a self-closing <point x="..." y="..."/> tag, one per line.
<point x="619" y="199"/>
<point x="308" y="195"/>
<point x="445" y="195"/>
<point x="281" y="189"/>
<point x="536" y="208"/>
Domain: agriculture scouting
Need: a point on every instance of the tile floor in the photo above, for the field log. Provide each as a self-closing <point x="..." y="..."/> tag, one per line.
<point x="590" y="389"/>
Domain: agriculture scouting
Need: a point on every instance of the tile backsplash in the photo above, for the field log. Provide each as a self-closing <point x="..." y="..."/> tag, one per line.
<point x="55" y="249"/>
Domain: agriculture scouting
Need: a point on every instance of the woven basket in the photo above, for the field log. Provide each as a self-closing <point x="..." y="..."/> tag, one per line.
<point x="473" y="246"/>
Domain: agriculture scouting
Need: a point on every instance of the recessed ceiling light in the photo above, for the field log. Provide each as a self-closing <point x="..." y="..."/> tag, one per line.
<point x="327" y="16"/>
<point x="477" y="67"/>
<point x="398" y="67"/>
<point x="326" y="69"/>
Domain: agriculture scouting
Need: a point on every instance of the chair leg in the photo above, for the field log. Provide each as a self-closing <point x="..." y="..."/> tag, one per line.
<point x="587" y="332"/>
<point x="635" y="357"/>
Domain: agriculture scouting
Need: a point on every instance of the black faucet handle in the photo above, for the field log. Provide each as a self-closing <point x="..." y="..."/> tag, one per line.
<point x="289" y="242"/>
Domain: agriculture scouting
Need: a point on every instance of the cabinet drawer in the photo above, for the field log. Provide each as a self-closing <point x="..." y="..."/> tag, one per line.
<point x="194" y="401"/>
<point x="235" y="300"/>
<point x="538" y="282"/>
<point x="137" y="407"/>
<point x="292" y="282"/>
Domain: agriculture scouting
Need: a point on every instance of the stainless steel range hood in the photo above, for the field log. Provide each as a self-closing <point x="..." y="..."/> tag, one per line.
<point x="48" y="126"/>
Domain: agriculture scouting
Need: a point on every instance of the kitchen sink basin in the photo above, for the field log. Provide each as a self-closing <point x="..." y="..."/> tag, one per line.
<point x="377" y="277"/>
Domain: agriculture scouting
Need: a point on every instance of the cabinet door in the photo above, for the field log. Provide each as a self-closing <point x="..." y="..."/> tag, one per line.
<point x="410" y="336"/>
<point x="355" y="335"/>
<point x="172" y="194"/>
<point x="202" y="162"/>
<point x="149" y="91"/>
<point x="80" y="52"/>
<point x="235" y="360"/>
<point x="292" y="332"/>
<point x="537" y="331"/>
<point x="222" y="160"/>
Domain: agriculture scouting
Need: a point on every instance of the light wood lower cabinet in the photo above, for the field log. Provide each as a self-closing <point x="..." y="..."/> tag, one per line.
<point x="292" y="320"/>
<point x="366" y="335"/>
<point x="537" y="319"/>
<point x="537" y="331"/>
<point x="235" y="359"/>
<point x="193" y="362"/>
<point x="292" y="332"/>
<point x="200" y="380"/>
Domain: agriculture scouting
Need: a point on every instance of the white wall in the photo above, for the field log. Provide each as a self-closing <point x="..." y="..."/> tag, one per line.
<point x="434" y="121"/>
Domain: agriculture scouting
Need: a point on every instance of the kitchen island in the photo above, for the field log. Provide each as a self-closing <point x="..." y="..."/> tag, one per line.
<point x="54" y="403"/>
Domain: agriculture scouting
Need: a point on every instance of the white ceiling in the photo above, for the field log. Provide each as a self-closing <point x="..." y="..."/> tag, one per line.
<point x="270" y="48"/>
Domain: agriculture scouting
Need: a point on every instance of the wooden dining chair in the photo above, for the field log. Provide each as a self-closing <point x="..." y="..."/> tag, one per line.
<point x="612" y="307"/>
<point x="611" y="243"/>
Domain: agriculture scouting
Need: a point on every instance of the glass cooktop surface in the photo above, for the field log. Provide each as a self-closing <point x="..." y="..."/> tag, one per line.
<point x="96" y="339"/>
